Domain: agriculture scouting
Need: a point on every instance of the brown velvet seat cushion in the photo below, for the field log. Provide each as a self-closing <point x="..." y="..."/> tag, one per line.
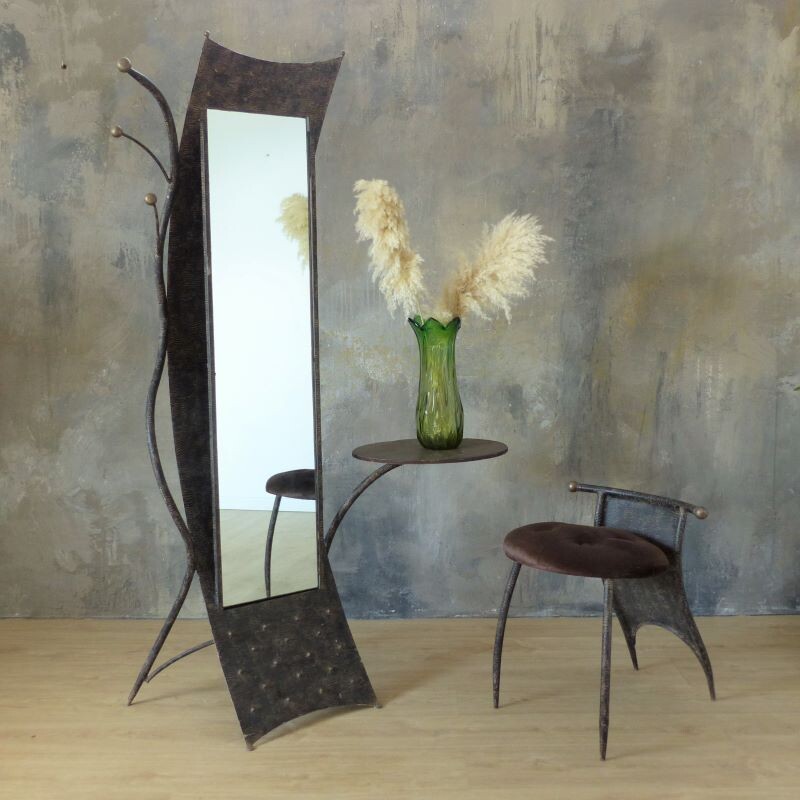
<point x="297" y="483"/>
<point x="585" y="550"/>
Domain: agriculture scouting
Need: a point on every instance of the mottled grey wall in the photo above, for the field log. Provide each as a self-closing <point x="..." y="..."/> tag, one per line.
<point x="659" y="142"/>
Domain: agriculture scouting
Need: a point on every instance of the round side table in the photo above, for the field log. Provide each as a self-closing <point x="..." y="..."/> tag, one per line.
<point x="391" y="455"/>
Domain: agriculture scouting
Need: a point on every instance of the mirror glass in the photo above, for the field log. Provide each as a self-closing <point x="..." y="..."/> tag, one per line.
<point x="260" y="309"/>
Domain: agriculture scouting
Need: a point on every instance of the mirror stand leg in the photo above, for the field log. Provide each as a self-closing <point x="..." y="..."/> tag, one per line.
<point x="195" y="649"/>
<point x="144" y="672"/>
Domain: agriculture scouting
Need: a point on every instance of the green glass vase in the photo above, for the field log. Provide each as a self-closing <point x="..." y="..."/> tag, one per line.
<point x="440" y="415"/>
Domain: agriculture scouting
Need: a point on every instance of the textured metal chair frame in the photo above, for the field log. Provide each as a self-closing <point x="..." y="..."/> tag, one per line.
<point x="657" y="600"/>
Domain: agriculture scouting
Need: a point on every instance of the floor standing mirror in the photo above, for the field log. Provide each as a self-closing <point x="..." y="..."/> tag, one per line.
<point x="241" y="334"/>
<point x="262" y="381"/>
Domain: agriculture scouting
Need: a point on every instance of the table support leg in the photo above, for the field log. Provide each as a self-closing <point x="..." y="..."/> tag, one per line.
<point x="346" y="506"/>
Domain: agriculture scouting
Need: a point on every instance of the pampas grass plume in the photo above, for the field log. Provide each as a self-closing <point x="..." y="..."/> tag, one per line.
<point x="381" y="220"/>
<point x="501" y="271"/>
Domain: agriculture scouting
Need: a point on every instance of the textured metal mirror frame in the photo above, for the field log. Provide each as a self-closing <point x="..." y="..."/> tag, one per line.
<point x="285" y="656"/>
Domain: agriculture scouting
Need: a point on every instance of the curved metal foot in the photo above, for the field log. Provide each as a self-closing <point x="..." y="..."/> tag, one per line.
<point x="705" y="663"/>
<point x="347" y="505"/>
<point x="605" y="666"/>
<point x="694" y="641"/>
<point x="268" y="550"/>
<point x="501" y="631"/>
<point x="178" y="657"/>
<point x="163" y="633"/>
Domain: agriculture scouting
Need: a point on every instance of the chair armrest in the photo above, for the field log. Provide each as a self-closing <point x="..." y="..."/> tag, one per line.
<point x="629" y="494"/>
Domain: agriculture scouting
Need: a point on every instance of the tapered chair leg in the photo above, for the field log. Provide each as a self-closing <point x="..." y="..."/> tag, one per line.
<point x="605" y="665"/>
<point x="268" y="549"/>
<point x="501" y="630"/>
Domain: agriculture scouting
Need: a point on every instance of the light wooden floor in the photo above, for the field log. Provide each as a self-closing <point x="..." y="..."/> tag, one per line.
<point x="65" y="731"/>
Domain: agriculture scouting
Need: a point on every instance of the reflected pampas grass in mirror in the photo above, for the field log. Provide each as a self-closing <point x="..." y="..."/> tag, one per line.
<point x="294" y="221"/>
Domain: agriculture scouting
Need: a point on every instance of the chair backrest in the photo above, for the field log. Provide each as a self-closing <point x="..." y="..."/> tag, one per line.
<point x="660" y="519"/>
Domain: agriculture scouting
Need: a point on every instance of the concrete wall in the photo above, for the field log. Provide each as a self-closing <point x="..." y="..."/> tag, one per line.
<point x="658" y="141"/>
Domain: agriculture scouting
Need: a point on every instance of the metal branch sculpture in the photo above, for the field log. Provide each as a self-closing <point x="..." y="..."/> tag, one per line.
<point x="162" y="227"/>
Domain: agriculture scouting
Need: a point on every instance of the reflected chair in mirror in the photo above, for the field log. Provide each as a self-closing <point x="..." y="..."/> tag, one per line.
<point x="296" y="483"/>
<point x="635" y="547"/>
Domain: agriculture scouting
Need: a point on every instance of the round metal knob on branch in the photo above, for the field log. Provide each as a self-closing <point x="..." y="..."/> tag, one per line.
<point x="572" y="486"/>
<point x="124" y="65"/>
<point x="701" y="513"/>
<point x="150" y="199"/>
<point x="116" y="131"/>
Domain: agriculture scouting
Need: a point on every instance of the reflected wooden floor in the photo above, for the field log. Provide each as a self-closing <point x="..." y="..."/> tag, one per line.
<point x="65" y="731"/>
<point x="294" y="553"/>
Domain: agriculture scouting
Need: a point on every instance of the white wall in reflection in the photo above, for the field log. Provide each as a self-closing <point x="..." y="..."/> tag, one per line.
<point x="262" y="328"/>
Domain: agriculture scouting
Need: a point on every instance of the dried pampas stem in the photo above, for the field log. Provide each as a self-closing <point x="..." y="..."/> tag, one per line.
<point x="294" y="220"/>
<point x="381" y="220"/>
<point x="503" y="268"/>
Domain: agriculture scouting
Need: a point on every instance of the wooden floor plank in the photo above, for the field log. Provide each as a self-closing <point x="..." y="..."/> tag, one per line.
<point x="65" y="731"/>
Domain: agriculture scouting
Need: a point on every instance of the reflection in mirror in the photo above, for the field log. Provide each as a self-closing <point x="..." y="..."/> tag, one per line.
<point x="261" y="324"/>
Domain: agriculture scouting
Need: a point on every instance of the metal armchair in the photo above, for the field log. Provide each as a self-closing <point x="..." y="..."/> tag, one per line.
<point x="635" y="548"/>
